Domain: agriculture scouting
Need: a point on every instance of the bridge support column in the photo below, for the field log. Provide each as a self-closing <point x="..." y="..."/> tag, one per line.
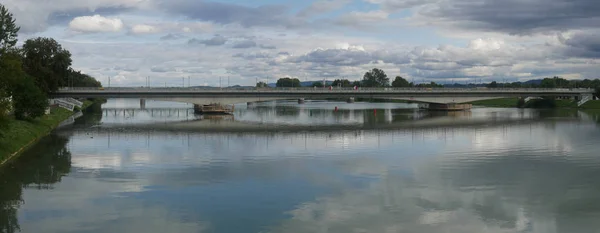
<point x="142" y="103"/>
<point x="301" y="101"/>
<point x="448" y="107"/>
<point x="350" y="100"/>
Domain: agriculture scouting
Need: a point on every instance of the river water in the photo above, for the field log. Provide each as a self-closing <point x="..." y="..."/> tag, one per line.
<point x="284" y="167"/>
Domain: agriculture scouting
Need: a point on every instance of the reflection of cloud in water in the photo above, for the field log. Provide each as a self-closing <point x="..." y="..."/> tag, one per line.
<point x="95" y="210"/>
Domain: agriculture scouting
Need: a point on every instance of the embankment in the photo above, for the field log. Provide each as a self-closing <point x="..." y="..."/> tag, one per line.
<point x="20" y="135"/>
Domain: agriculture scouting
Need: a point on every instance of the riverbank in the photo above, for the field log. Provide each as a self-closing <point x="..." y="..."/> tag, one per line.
<point x="512" y="103"/>
<point x="20" y="135"/>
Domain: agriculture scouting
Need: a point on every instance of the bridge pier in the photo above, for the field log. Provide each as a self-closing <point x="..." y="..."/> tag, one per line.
<point x="301" y="101"/>
<point x="350" y="100"/>
<point x="250" y="104"/>
<point x="142" y="103"/>
<point x="447" y="107"/>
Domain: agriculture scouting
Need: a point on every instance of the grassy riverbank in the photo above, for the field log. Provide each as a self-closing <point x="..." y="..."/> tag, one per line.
<point x="512" y="103"/>
<point x="22" y="134"/>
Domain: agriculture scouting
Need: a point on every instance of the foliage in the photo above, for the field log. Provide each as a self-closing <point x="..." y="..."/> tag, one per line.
<point x="77" y="79"/>
<point x="376" y="78"/>
<point x="429" y="85"/>
<point x="555" y="82"/>
<point x="357" y="84"/>
<point x="401" y="82"/>
<point x="48" y="62"/>
<point x="493" y="84"/>
<point x="4" y="108"/>
<point x="317" y="84"/>
<point x="598" y="91"/>
<point x="261" y="84"/>
<point x="28" y="100"/>
<point x="341" y="83"/>
<point x="288" y="82"/>
<point x="10" y="71"/>
<point x="8" y="30"/>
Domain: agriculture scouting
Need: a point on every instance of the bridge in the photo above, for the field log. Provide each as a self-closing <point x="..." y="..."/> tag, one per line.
<point x="437" y="98"/>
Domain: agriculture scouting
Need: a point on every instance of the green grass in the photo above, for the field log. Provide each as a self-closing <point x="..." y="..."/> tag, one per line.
<point x="498" y="103"/>
<point x="592" y="104"/>
<point x="20" y="134"/>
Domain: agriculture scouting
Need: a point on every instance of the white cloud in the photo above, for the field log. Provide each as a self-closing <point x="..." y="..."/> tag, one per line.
<point x="144" y="29"/>
<point x="96" y="23"/>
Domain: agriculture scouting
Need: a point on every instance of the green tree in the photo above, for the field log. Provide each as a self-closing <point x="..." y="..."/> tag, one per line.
<point x="493" y="84"/>
<point x="78" y="79"/>
<point x="288" y="82"/>
<point x="46" y="61"/>
<point x="317" y="84"/>
<point x="261" y="84"/>
<point x="356" y="83"/>
<point x="8" y="30"/>
<point x="400" y="82"/>
<point x="10" y="73"/>
<point x="341" y="82"/>
<point x="28" y="100"/>
<point x="376" y="78"/>
<point x="598" y="91"/>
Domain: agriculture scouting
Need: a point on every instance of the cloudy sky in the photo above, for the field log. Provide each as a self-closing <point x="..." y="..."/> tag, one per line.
<point x="247" y="40"/>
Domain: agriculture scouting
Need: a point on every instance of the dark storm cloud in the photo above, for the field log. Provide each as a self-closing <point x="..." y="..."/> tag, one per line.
<point x="583" y="44"/>
<point x="245" y="44"/>
<point x="516" y="17"/>
<point x="215" y="41"/>
<point x="225" y="13"/>
<point x="335" y="57"/>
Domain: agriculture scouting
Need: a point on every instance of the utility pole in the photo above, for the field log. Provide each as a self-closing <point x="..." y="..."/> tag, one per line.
<point x="183" y="81"/>
<point x="220" y="82"/>
<point x="228" y="84"/>
<point x="189" y="81"/>
<point x="109" y="81"/>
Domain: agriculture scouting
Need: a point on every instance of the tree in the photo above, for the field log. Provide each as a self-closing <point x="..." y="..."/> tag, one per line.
<point x="342" y="83"/>
<point x="8" y="30"/>
<point x="4" y="108"/>
<point x="598" y="91"/>
<point x="356" y="83"/>
<point x="10" y="73"/>
<point x="317" y="84"/>
<point x="400" y="82"/>
<point x="261" y="84"/>
<point x="376" y="78"/>
<point x="46" y="61"/>
<point x="493" y="84"/>
<point x="288" y="82"/>
<point x="78" y="79"/>
<point x="28" y="100"/>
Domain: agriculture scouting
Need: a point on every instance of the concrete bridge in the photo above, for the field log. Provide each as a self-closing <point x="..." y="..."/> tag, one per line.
<point x="437" y="98"/>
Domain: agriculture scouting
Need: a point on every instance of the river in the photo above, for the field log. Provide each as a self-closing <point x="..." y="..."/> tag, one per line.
<point x="317" y="167"/>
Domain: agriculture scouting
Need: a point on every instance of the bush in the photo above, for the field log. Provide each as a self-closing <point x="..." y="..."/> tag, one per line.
<point x="29" y="101"/>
